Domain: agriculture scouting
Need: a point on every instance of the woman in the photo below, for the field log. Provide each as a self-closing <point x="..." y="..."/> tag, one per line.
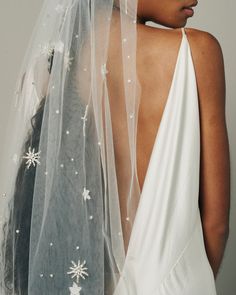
<point x="113" y="190"/>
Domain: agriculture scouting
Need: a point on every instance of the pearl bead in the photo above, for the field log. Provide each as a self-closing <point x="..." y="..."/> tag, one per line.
<point x="17" y="231"/>
<point x="129" y="80"/>
<point x="57" y="112"/>
<point x="62" y="165"/>
<point x="67" y="132"/>
<point x="51" y="275"/>
<point x="41" y="275"/>
<point x="51" y="244"/>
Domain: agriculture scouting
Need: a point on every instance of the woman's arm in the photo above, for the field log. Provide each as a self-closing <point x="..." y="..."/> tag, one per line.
<point x="214" y="195"/>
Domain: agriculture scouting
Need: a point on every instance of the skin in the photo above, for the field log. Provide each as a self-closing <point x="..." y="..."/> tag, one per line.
<point x="168" y="13"/>
<point x="214" y="195"/>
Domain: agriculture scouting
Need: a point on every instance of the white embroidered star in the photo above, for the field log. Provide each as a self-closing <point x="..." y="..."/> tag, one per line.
<point x="75" y="289"/>
<point x="67" y="60"/>
<point x="32" y="158"/>
<point x="78" y="270"/>
<point x="86" y="194"/>
<point x="104" y="70"/>
<point x="46" y="49"/>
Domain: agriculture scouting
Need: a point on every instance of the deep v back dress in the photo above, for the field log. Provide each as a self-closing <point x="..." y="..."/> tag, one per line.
<point x="166" y="253"/>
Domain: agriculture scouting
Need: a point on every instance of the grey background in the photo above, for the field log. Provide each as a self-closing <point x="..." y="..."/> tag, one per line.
<point x="215" y="16"/>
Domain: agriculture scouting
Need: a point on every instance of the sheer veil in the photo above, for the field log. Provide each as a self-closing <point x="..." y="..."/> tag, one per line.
<point x="68" y="181"/>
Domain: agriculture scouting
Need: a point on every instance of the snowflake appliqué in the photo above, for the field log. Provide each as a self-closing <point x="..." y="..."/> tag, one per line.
<point x="47" y="49"/>
<point x="67" y="60"/>
<point x="104" y="71"/>
<point x="75" y="289"/>
<point x="78" y="270"/>
<point x="32" y="158"/>
<point x="86" y="194"/>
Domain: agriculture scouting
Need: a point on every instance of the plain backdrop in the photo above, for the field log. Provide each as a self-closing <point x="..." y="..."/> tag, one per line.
<point x="17" y="19"/>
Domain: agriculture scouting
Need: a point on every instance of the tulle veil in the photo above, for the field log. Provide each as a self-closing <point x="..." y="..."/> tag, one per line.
<point x="68" y="181"/>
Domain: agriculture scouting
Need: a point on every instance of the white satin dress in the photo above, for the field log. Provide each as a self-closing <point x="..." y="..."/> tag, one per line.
<point x="166" y="253"/>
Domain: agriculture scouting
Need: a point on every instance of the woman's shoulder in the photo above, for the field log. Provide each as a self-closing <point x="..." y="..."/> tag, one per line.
<point x="205" y="47"/>
<point x="209" y="68"/>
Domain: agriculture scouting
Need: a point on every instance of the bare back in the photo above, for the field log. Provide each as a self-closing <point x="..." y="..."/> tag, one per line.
<point x="157" y="52"/>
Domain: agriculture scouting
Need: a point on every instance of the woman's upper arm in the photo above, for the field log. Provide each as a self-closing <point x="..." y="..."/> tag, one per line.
<point x="214" y="194"/>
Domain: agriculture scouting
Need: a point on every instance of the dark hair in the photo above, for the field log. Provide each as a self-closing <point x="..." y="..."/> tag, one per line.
<point x="16" y="247"/>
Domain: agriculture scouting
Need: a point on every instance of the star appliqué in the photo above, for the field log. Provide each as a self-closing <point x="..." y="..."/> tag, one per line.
<point x="32" y="158"/>
<point x="86" y="194"/>
<point x="47" y="49"/>
<point x="75" y="289"/>
<point x="78" y="270"/>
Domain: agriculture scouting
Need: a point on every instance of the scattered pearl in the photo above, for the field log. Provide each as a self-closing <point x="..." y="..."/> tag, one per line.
<point x="131" y="116"/>
<point x="72" y="159"/>
<point x="4" y="195"/>
<point x="91" y="217"/>
<point x="51" y="244"/>
<point x="67" y="132"/>
<point x="124" y="40"/>
<point x="57" y="112"/>
<point x="127" y="218"/>
<point x="53" y="87"/>
<point x="77" y="36"/>
<point x="129" y="80"/>
<point x="51" y="275"/>
<point x="76" y="172"/>
<point x="99" y="143"/>
<point x="46" y="173"/>
<point x="77" y="247"/>
<point x="85" y="69"/>
<point x="128" y="56"/>
<point x="62" y="165"/>
<point x="41" y="275"/>
<point x="17" y="231"/>
<point x="134" y="21"/>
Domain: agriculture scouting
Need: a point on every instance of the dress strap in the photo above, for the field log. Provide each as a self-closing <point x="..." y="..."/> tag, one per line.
<point x="183" y="31"/>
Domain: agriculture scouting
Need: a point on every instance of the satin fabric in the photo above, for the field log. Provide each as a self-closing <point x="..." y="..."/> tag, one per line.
<point x="166" y="253"/>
